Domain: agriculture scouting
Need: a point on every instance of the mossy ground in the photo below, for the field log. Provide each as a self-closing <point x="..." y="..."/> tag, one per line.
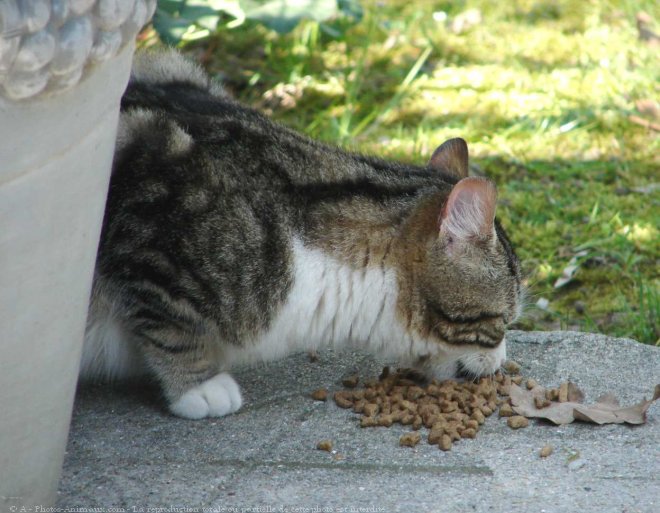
<point x="543" y="91"/>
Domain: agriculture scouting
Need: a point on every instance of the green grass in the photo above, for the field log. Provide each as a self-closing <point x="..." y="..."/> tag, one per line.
<point x="542" y="91"/>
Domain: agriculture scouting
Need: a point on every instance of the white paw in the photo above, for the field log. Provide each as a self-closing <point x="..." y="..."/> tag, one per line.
<point x="215" y="397"/>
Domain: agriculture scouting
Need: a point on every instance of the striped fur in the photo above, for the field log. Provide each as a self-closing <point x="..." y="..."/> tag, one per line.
<point x="230" y="239"/>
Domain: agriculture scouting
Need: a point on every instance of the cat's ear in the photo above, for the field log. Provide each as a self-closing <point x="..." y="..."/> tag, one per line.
<point x="451" y="157"/>
<point x="469" y="213"/>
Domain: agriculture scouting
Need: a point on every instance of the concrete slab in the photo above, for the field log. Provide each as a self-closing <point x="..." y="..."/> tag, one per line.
<point x="126" y="452"/>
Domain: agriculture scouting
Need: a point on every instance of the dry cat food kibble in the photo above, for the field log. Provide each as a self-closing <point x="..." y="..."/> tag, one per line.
<point x="511" y="367"/>
<point x="320" y="395"/>
<point x="410" y="439"/>
<point x="552" y="394"/>
<point x="445" y="443"/>
<point x="545" y="451"/>
<point x="324" y="445"/>
<point x="450" y="410"/>
<point x="541" y="402"/>
<point x="351" y="381"/>
<point x="506" y="410"/>
<point x="517" y="421"/>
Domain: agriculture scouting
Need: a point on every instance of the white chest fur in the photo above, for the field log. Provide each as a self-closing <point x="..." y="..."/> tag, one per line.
<point x="331" y="304"/>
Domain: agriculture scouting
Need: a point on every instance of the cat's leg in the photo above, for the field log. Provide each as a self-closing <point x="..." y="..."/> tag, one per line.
<point x="186" y="360"/>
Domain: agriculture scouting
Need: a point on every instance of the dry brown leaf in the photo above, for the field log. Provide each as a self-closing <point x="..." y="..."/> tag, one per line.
<point x="606" y="409"/>
<point x="522" y="402"/>
<point x="575" y="395"/>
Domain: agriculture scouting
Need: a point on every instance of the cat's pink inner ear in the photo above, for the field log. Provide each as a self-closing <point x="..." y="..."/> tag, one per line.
<point x="451" y="157"/>
<point x="470" y="210"/>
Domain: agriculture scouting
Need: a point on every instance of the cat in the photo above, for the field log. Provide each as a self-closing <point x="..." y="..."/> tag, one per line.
<point x="229" y="239"/>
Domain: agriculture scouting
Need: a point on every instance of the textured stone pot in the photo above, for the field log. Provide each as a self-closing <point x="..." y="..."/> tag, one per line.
<point x="58" y="120"/>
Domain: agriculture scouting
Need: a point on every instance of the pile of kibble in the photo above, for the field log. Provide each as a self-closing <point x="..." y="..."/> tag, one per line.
<point x="450" y="409"/>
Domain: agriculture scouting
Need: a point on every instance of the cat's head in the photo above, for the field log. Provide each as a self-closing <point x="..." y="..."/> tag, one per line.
<point x="464" y="283"/>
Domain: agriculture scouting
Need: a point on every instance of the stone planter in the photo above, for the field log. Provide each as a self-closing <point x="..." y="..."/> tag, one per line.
<point x="64" y="65"/>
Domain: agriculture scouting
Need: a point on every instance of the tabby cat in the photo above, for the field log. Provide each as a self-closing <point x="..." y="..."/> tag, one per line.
<point x="229" y="239"/>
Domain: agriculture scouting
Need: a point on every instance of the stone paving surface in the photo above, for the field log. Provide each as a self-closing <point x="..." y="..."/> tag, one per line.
<point x="126" y="452"/>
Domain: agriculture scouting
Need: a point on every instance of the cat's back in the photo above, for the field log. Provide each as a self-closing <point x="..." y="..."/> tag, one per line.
<point x="190" y="200"/>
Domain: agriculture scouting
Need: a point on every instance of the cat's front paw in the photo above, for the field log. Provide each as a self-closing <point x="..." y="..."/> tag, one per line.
<point x="215" y="397"/>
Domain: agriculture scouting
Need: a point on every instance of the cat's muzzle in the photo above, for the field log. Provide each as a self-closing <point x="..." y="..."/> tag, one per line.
<point x="465" y="362"/>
